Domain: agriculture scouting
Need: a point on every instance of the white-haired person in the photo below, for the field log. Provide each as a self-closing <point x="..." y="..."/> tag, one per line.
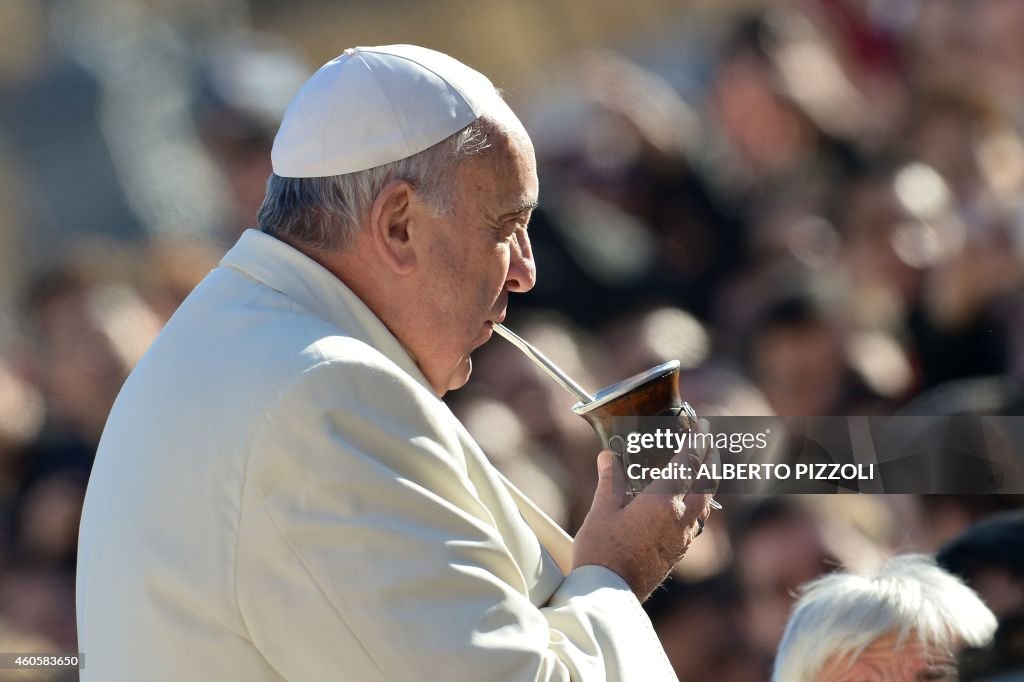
<point x="904" y="622"/>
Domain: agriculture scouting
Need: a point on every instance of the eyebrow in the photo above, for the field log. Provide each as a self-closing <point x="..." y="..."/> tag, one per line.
<point x="521" y="208"/>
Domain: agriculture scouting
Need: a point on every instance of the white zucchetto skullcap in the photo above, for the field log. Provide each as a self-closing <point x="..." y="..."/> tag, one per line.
<point x="376" y="105"/>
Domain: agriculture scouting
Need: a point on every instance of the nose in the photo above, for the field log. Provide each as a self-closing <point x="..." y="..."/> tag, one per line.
<point x="522" y="271"/>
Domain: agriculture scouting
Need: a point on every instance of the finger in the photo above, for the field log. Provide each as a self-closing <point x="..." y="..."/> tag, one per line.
<point x="679" y="485"/>
<point x="698" y="502"/>
<point x="673" y="518"/>
<point x="713" y="460"/>
<point x="702" y="444"/>
<point x="611" y="485"/>
<point x="704" y="515"/>
<point x="704" y="428"/>
<point x="692" y="510"/>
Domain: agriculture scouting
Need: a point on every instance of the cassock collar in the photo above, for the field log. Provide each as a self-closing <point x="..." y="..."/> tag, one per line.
<point x="300" y="278"/>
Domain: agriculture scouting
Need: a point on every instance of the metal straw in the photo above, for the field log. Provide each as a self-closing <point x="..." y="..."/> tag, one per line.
<point x="542" y="361"/>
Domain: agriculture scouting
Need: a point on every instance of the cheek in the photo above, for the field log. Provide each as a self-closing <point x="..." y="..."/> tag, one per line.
<point x="468" y="277"/>
<point x="445" y="274"/>
<point x="486" y="273"/>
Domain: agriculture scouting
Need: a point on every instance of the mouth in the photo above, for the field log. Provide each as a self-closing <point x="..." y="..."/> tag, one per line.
<point x="498" y="320"/>
<point x="488" y="330"/>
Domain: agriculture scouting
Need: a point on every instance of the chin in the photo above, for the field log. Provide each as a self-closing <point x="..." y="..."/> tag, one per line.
<point x="461" y="374"/>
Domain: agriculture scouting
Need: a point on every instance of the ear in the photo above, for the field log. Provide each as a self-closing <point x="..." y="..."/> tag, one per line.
<point x="394" y="217"/>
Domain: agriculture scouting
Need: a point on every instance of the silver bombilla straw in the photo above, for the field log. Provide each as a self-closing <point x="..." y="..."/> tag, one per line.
<point x="552" y="370"/>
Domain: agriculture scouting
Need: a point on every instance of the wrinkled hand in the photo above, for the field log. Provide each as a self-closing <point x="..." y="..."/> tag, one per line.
<point x="640" y="540"/>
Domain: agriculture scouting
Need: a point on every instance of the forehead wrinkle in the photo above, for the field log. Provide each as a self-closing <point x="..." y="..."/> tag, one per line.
<point x="502" y="179"/>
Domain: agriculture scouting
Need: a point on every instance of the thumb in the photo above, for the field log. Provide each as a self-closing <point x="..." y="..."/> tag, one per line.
<point x="611" y="484"/>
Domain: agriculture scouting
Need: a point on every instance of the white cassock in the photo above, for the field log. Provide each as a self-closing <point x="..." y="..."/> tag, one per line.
<point x="279" y="495"/>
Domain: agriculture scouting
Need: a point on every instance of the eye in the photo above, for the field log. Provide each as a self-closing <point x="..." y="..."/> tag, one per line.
<point x="508" y="230"/>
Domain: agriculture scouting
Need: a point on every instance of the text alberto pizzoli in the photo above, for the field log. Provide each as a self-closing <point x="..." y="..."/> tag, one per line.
<point x="662" y="439"/>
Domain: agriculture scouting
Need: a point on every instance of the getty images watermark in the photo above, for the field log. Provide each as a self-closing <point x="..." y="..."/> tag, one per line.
<point x="675" y="441"/>
<point x="951" y="455"/>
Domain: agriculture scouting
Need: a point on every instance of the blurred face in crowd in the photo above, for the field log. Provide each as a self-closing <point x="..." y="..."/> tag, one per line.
<point x="800" y="368"/>
<point x="701" y="644"/>
<point x="246" y="165"/>
<point x="477" y="255"/>
<point x="772" y="563"/>
<point x="888" y="660"/>
<point x="874" y="215"/>
<point x="89" y="342"/>
<point x="770" y="134"/>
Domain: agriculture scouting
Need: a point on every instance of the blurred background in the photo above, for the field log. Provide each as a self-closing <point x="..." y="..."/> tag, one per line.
<point x="817" y="206"/>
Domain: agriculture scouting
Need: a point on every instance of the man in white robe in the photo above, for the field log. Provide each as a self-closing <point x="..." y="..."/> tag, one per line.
<point x="281" y="494"/>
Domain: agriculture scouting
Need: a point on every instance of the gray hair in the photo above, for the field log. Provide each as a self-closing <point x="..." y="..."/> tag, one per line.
<point x="840" y="615"/>
<point x="326" y="212"/>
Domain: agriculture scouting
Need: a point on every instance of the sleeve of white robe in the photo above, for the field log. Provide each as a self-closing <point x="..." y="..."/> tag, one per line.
<point x="360" y="530"/>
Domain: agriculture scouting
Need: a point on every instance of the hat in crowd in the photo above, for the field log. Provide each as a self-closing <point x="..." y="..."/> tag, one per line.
<point x="375" y="105"/>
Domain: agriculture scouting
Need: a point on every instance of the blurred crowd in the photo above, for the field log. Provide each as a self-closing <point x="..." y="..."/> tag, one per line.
<point x="818" y="209"/>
